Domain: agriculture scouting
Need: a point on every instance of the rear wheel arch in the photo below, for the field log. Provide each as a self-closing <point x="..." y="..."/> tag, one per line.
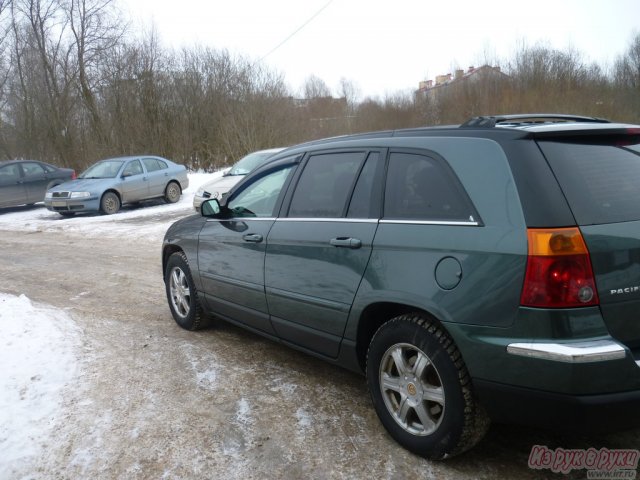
<point x="421" y="388"/>
<point x="377" y="314"/>
<point x="172" y="191"/>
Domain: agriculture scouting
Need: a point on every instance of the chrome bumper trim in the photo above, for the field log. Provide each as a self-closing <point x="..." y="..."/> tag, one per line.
<point x="577" y="352"/>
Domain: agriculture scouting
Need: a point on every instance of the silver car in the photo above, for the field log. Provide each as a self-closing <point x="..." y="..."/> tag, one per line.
<point x="109" y="184"/>
<point x="218" y="187"/>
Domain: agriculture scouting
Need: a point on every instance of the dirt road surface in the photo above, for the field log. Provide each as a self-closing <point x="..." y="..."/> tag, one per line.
<point x="153" y="401"/>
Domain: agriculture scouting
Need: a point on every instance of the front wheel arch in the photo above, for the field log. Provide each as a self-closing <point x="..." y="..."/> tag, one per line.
<point x="182" y="294"/>
<point x="108" y="207"/>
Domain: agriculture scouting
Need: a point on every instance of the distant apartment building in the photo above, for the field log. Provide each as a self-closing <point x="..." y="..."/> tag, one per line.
<point x="442" y="83"/>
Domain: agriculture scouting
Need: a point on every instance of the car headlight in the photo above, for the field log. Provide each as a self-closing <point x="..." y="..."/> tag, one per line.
<point x="80" y="195"/>
<point x="48" y="195"/>
<point x="200" y="192"/>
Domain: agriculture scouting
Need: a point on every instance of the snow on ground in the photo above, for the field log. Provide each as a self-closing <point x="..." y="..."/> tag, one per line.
<point x="129" y="222"/>
<point x="38" y="343"/>
<point x="38" y="358"/>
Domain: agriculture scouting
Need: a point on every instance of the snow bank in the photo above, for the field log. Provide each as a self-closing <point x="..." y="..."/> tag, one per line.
<point x="38" y="362"/>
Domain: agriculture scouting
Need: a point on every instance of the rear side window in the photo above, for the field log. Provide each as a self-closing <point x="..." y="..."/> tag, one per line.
<point x="601" y="182"/>
<point x="31" y="169"/>
<point x="154" y="164"/>
<point x="366" y="197"/>
<point x="420" y="187"/>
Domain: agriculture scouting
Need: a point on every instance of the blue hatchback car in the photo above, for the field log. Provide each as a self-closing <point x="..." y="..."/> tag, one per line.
<point x="111" y="183"/>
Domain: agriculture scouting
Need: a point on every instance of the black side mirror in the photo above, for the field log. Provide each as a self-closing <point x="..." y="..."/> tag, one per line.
<point x="210" y="208"/>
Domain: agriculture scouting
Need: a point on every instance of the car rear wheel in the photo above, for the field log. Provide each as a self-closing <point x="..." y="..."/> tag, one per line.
<point x="421" y="388"/>
<point x="110" y="203"/>
<point x="182" y="294"/>
<point x="172" y="192"/>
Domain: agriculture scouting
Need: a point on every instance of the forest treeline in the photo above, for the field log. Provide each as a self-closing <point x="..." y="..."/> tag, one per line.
<point x="76" y="87"/>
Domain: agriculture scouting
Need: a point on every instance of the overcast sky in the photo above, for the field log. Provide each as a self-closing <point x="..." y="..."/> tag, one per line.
<point x="388" y="46"/>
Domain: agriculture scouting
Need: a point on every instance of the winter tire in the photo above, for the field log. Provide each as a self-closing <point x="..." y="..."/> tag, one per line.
<point x="110" y="203"/>
<point x="421" y="389"/>
<point x="172" y="192"/>
<point x="182" y="294"/>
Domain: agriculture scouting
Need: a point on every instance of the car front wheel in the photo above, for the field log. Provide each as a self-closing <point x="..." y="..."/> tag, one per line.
<point x="182" y="294"/>
<point x="110" y="203"/>
<point x="421" y="388"/>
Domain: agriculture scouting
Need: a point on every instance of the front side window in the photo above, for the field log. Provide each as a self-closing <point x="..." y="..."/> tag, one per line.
<point x="325" y="185"/>
<point x="422" y="188"/>
<point x="260" y="197"/>
<point x="133" y="168"/>
<point x="10" y="172"/>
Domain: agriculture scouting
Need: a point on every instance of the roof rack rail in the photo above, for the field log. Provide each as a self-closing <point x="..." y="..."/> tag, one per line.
<point x="527" y="119"/>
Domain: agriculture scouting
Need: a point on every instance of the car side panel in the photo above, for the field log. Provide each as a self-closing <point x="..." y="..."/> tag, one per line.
<point x="232" y="269"/>
<point x="12" y="189"/>
<point x="35" y="182"/>
<point x="450" y="271"/>
<point x="310" y="283"/>
<point x="134" y="188"/>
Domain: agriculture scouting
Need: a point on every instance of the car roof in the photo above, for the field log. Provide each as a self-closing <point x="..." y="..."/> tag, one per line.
<point x="19" y="160"/>
<point x="132" y="157"/>
<point x="509" y="126"/>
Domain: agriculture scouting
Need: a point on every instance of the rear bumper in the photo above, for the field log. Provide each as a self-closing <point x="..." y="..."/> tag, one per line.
<point x="575" y="413"/>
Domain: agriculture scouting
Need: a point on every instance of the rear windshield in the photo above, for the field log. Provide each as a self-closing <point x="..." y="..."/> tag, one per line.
<point x="601" y="181"/>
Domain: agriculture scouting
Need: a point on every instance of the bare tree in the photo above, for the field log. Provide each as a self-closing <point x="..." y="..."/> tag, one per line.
<point x="95" y="30"/>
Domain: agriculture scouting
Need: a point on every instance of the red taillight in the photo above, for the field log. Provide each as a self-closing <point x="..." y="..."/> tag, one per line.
<point x="559" y="273"/>
<point x="73" y="175"/>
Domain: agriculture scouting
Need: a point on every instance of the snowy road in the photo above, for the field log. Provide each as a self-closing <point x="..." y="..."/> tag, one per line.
<point x="97" y="381"/>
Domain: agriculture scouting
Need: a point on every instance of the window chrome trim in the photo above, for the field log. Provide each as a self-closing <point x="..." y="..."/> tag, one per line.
<point x="465" y="223"/>
<point x="323" y="219"/>
<point x="577" y="352"/>
<point x="351" y="220"/>
<point x="240" y="219"/>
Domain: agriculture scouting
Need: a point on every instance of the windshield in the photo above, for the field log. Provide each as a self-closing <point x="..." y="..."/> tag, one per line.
<point x="248" y="163"/>
<point x="104" y="169"/>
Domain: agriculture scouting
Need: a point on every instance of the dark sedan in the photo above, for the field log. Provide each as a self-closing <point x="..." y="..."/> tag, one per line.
<point x="24" y="182"/>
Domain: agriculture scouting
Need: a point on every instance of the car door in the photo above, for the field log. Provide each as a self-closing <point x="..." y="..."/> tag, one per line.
<point x="231" y="249"/>
<point x="12" y="189"/>
<point x="35" y="181"/>
<point x="317" y="253"/>
<point x="135" y="185"/>
<point x="157" y="175"/>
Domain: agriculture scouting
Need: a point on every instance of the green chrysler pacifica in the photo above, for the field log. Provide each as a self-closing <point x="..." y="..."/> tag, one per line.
<point x="487" y="271"/>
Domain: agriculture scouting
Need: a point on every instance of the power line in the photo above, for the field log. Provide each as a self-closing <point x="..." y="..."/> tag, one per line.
<point x="297" y="30"/>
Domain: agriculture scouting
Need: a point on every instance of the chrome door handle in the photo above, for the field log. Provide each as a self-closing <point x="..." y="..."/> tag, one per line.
<point x="347" y="242"/>
<point x="252" y="237"/>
